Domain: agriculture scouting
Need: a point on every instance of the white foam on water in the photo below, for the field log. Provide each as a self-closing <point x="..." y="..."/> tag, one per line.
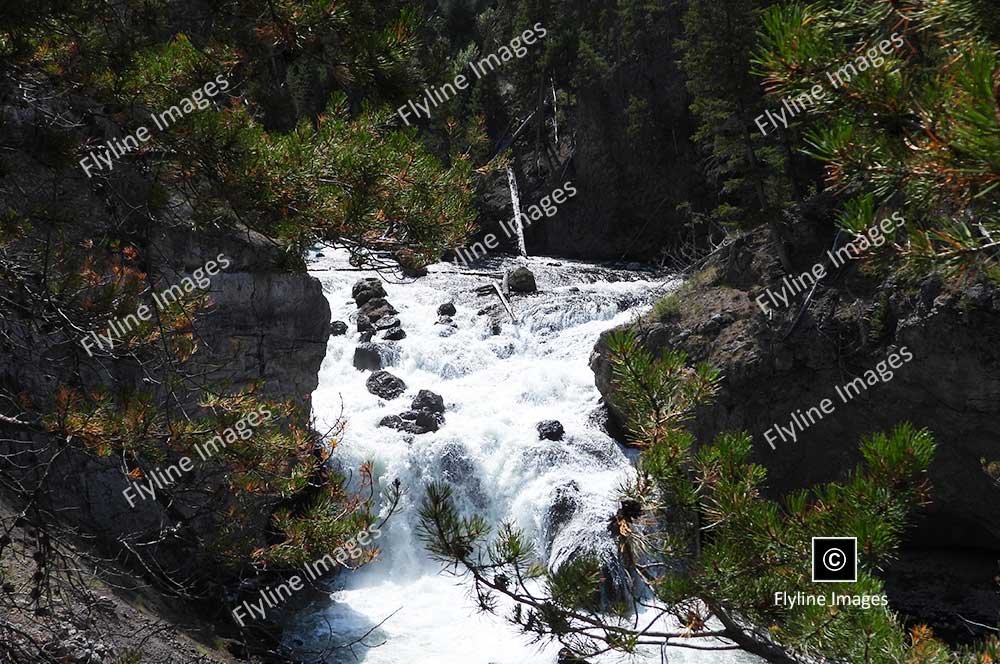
<point x="496" y="388"/>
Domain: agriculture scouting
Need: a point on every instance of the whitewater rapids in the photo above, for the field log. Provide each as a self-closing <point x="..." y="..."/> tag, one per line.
<point x="496" y="388"/>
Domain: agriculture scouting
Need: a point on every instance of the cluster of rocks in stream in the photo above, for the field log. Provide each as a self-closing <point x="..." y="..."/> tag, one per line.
<point x="426" y="414"/>
<point x="377" y="316"/>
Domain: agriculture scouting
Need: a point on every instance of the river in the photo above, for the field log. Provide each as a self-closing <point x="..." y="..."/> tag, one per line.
<point x="496" y="388"/>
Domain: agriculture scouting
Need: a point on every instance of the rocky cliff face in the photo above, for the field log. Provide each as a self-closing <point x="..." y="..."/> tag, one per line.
<point x="265" y="323"/>
<point x="793" y="359"/>
<point x="268" y="323"/>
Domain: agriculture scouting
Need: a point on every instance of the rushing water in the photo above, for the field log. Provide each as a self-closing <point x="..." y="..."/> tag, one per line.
<point x="496" y="388"/>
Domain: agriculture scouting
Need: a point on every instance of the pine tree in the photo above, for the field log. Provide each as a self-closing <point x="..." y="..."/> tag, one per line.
<point x="752" y="174"/>
<point x="910" y="120"/>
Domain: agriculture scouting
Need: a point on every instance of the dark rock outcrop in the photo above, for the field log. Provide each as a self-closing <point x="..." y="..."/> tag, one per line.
<point x="338" y="328"/>
<point x="426" y="414"/>
<point x="565" y="503"/>
<point x="383" y="384"/>
<point x="387" y="322"/>
<point x="550" y="430"/>
<point x="394" y="334"/>
<point x="372" y="356"/>
<point x="521" y="280"/>
<point x="377" y="308"/>
<point x="428" y="401"/>
<point x="447" y="309"/>
<point x="412" y="421"/>
<point x="366" y="290"/>
<point x="794" y="357"/>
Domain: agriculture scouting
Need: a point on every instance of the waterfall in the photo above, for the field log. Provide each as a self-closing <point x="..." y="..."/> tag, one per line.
<point x="515" y="199"/>
<point x="498" y="380"/>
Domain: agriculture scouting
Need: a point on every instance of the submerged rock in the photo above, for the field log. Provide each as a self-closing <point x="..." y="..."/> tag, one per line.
<point x="550" y="430"/>
<point x="387" y="322"/>
<point x="395" y="334"/>
<point x="338" y="328"/>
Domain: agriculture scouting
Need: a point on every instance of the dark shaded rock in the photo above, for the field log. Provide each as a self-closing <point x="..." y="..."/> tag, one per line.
<point x="338" y="328"/>
<point x="462" y="474"/>
<point x="374" y="356"/>
<point x="447" y="309"/>
<point x="394" y="334"/>
<point x="602" y="419"/>
<point x="415" y="422"/>
<point x="366" y="290"/>
<point x="423" y="420"/>
<point x="365" y="323"/>
<point x="391" y="421"/>
<point x="716" y="323"/>
<point x="383" y="384"/>
<point x="565" y="503"/>
<point x="550" y="430"/>
<point x="445" y="320"/>
<point x="367" y="336"/>
<point x="521" y="280"/>
<point x="378" y="308"/>
<point x="428" y="401"/>
<point x="387" y="322"/>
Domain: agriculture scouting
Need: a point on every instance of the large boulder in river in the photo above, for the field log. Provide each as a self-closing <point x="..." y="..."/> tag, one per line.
<point x="373" y="356"/>
<point x="383" y="384"/>
<point x="447" y="309"/>
<point x="376" y="309"/>
<point x="366" y="290"/>
<point x="367" y="357"/>
<point x="413" y="421"/>
<point x="521" y="280"/>
<point x="338" y="328"/>
<point x="428" y="401"/>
